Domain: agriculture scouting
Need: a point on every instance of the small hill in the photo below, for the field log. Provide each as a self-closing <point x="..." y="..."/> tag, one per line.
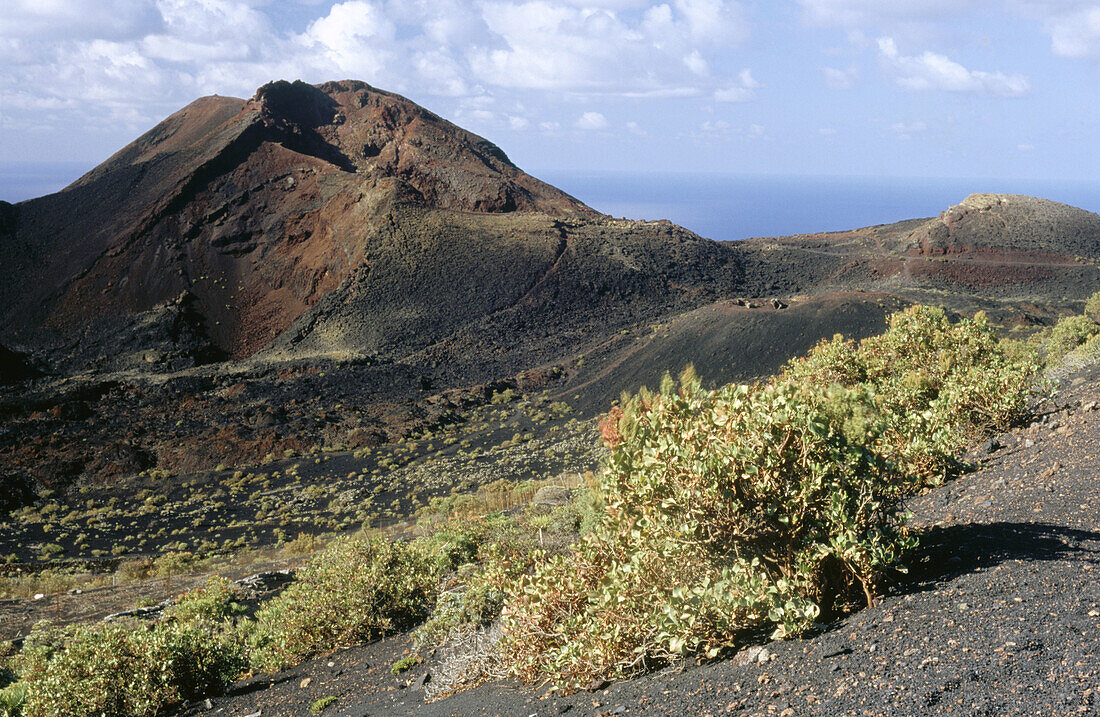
<point x="1020" y="258"/>
<point x="1008" y="224"/>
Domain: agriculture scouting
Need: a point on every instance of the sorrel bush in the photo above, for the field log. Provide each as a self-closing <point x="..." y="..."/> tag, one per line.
<point x="133" y="668"/>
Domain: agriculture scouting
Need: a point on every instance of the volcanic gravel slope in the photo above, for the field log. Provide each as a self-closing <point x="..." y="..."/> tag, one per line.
<point x="998" y="614"/>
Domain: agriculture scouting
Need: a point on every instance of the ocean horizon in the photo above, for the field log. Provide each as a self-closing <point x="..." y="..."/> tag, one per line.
<point x="718" y="206"/>
<point x="729" y="207"/>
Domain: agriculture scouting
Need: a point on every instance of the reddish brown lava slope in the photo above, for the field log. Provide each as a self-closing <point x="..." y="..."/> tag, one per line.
<point x="256" y="207"/>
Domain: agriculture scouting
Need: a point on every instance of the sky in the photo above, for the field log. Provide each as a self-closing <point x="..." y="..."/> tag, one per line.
<point x="898" y="88"/>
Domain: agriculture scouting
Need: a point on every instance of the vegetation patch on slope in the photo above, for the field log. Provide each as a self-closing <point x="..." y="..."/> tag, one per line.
<point x="720" y="515"/>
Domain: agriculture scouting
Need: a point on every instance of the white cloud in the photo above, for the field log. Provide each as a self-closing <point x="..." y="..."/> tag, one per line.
<point x="746" y="79"/>
<point x="662" y="94"/>
<point x="932" y="71"/>
<point x="25" y="101"/>
<point x="715" y="127"/>
<point x="486" y="114"/>
<point x="840" y="79"/>
<point x="592" y="121"/>
<point x="743" y="90"/>
<point x="635" y="129"/>
<point x="441" y="74"/>
<point x="906" y="130"/>
<point x="721" y="129"/>
<point x="1025" y="147"/>
<point x="712" y="21"/>
<point x="355" y="37"/>
<point x="545" y="44"/>
<point x="1073" y="26"/>
<point x="826" y="131"/>
<point x="696" y="63"/>
<point x="128" y="63"/>
<point x="733" y="93"/>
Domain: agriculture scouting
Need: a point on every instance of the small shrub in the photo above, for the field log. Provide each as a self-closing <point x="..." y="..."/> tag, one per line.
<point x="174" y="563"/>
<point x="319" y="706"/>
<point x="356" y="590"/>
<point x="1092" y="307"/>
<point x="474" y="601"/>
<point x="51" y="550"/>
<point x="935" y="385"/>
<point x="304" y="544"/>
<point x="503" y="397"/>
<point x="213" y="603"/>
<point x="405" y="664"/>
<point x="12" y="699"/>
<point x="131" y="669"/>
<point x="1068" y="334"/>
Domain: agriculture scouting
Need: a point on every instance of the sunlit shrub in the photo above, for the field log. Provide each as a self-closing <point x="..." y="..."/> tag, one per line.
<point x="1092" y="307"/>
<point x="726" y="511"/>
<point x="1068" y="334"/>
<point x="356" y="590"/>
<point x="761" y="506"/>
<point x="936" y="385"/>
<point x="132" y="668"/>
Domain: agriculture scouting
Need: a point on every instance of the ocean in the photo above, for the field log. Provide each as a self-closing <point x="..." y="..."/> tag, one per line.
<point x="727" y="207"/>
<point x="718" y="206"/>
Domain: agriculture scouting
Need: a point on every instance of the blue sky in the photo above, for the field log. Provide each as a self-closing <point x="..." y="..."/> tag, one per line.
<point x="927" y="88"/>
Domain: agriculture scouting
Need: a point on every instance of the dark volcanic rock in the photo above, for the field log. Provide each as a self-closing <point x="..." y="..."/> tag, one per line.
<point x="169" y="337"/>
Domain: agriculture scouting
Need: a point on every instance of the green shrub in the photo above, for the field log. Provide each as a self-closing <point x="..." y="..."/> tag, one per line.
<point x="725" y="511"/>
<point x="748" y="507"/>
<point x="132" y="668"/>
<point x="50" y="550"/>
<point x="479" y="553"/>
<point x="1068" y="334"/>
<point x="356" y="590"/>
<point x="502" y="397"/>
<point x="211" y="604"/>
<point x="174" y="563"/>
<point x="936" y="385"/>
<point x="1092" y="307"/>
<point x="474" y="599"/>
